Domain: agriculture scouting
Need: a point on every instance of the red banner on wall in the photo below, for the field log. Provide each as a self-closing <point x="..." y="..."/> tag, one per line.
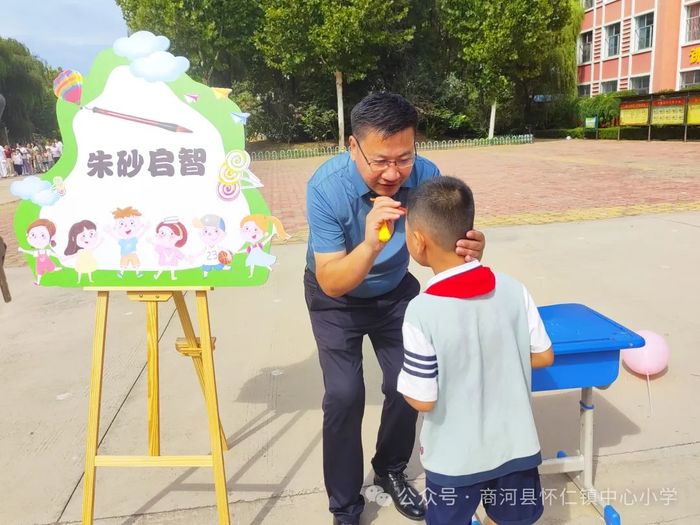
<point x="669" y="102"/>
<point x="635" y="105"/>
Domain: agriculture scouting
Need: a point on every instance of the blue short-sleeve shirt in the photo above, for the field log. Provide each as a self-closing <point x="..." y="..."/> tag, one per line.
<point x="128" y="246"/>
<point x="338" y="201"/>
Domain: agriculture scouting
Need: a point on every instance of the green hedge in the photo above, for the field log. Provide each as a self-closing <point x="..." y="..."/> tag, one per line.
<point x="657" y="133"/>
<point x="608" y="133"/>
<point x="574" y="133"/>
<point x="627" y="133"/>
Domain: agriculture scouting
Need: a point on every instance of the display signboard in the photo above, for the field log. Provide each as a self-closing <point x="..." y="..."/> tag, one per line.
<point x="668" y="111"/>
<point x="154" y="186"/>
<point x="694" y="110"/>
<point x="634" y="113"/>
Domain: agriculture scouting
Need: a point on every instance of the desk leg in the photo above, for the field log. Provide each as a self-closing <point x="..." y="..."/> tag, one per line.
<point x="584" y="480"/>
<point x="586" y="435"/>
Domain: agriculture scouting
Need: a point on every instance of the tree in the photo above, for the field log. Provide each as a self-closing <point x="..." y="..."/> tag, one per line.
<point x="216" y="35"/>
<point x="342" y="38"/>
<point x="26" y="83"/>
<point x="508" y="47"/>
<point x="451" y="58"/>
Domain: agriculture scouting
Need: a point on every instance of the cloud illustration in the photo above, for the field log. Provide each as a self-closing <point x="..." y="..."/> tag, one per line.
<point x="34" y="189"/>
<point x="160" y="65"/>
<point x="140" y="44"/>
<point x="45" y="197"/>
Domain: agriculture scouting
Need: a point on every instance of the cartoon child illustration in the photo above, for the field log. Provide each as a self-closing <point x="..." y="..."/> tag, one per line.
<point x="254" y="232"/>
<point x="82" y="242"/>
<point x="40" y="235"/>
<point x="171" y="235"/>
<point x="213" y="231"/>
<point x="128" y="229"/>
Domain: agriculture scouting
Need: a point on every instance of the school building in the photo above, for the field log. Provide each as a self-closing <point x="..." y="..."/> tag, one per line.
<point x="642" y="45"/>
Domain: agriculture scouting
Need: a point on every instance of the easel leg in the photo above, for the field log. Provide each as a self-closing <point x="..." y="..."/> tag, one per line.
<point x="93" y="425"/>
<point x="197" y="362"/>
<point x="153" y="380"/>
<point x="193" y="343"/>
<point x="212" y="408"/>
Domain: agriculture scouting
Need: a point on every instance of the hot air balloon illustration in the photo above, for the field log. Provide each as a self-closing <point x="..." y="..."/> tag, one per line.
<point x="68" y="85"/>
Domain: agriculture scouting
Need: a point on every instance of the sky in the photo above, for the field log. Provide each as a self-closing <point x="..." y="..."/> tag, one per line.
<point x="65" y="33"/>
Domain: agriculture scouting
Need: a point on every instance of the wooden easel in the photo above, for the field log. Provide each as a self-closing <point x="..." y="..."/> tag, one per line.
<point x="3" y="280"/>
<point x="200" y="349"/>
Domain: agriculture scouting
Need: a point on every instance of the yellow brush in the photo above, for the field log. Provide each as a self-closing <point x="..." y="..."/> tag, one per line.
<point x="384" y="233"/>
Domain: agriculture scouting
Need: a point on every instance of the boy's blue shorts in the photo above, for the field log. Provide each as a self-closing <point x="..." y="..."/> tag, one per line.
<point x="514" y="499"/>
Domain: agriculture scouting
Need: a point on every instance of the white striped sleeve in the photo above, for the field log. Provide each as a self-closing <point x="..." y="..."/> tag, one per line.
<point x="418" y="377"/>
<point x="539" y="340"/>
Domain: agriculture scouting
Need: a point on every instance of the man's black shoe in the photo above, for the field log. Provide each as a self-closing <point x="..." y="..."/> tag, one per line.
<point x="406" y="498"/>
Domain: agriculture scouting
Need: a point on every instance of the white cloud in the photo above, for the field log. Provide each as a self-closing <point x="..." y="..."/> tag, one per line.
<point x="160" y="65"/>
<point x="45" y="198"/>
<point x="140" y="44"/>
<point x="34" y="189"/>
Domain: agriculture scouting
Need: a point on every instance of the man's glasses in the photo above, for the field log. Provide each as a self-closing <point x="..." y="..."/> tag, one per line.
<point x="382" y="165"/>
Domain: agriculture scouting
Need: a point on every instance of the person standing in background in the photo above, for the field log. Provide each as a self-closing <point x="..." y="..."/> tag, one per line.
<point x="56" y="151"/>
<point x="26" y="161"/>
<point x="3" y="163"/>
<point x="48" y="157"/>
<point x="38" y="159"/>
<point x="17" y="160"/>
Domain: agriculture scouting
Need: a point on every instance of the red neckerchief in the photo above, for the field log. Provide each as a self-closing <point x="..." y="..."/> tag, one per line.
<point x="465" y="285"/>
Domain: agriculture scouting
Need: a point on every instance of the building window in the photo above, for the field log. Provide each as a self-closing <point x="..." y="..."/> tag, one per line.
<point x="609" y="86"/>
<point x="644" y="33"/>
<point x="584" y="90"/>
<point x="640" y="85"/>
<point x="690" y="79"/>
<point x="585" y="45"/>
<point x="612" y="40"/>
<point x="587" y="4"/>
<point x="692" y="27"/>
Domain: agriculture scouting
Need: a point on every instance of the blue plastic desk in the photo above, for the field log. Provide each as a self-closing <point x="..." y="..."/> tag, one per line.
<point x="586" y="354"/>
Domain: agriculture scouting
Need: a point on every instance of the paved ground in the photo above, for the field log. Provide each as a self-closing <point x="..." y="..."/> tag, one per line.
<point x="551" y="177"/>
<point x="549" y="181"/>
<point x="639" y="270"/>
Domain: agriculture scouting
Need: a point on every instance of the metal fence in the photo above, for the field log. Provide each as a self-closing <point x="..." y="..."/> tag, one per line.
<point x="430" y="145"/>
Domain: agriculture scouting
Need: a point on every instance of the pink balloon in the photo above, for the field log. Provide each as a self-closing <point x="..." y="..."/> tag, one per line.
<point x="651" y="358"/>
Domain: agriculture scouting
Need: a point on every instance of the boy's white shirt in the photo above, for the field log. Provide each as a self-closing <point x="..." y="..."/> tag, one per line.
<point x="425" y="360"/>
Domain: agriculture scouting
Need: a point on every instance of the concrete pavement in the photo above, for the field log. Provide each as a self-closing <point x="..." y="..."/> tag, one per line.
<point x="641" y="271"/>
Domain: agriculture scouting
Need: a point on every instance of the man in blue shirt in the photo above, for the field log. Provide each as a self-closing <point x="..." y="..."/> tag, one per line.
<point x="355" y="285"/>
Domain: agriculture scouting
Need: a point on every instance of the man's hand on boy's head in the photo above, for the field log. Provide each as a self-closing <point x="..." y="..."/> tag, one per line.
<point x="472" y="246"/>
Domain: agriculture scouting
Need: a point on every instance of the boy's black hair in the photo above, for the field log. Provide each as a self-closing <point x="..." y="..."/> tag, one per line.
<point x="443" y="207"/>
<point x="383" y="112"/>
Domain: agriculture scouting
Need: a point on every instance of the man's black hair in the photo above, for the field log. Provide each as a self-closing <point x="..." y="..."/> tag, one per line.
<point x="382" y="112"/>
<point x="443" y="207"/>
